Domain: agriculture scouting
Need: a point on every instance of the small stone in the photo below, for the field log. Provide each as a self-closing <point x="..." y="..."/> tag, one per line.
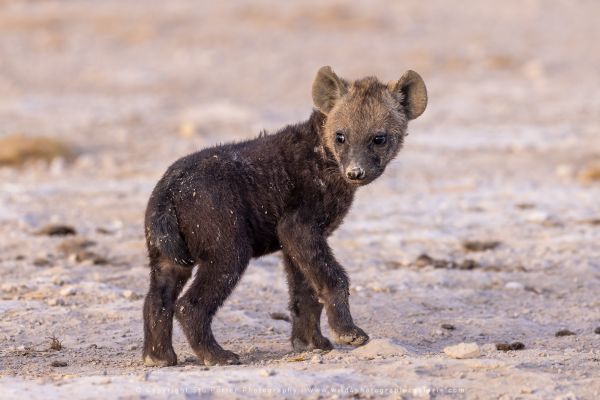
<point x="379" y="347"/>
<point x="58" y="364"/>
<point x="597" y="330"/>
<point x="9" y="287"/>
<point x="525" y="206"/>
<point x="537" y="216"/>
<point x="378" y="288"/>
<point x="590" y="173"/>
<point x="508" y="347"/>
<point x="468" y="264"/>
<point x="564" y="332"/>
<point x="280" y="316"/>
<point x="57" y="280"/>
<point x="316" y="359"/>
<point x="517" y="346"/>
<point x="514" y="286"/>
<point x="41" y="262"/>
<point x="251" y="349"/>
<point x="463" y="350"/>
<point x="74" y="245"/>
<point x="424" y="260"/>
<point x="89" y="257"/>
<point x="111" y="229"/>
<point x="448" y="327"/>
<point x="480" y="245"/>
<point x="187" y="129"/>
<point x="68" y="291"/>
<point x="55" y="302"/>
<point x="502" y="346"/>
<point x="266" y="372"/>
<point x="128" y="294"/>
<point x="56" y="230"/>
<point x="297" y="358"/>
<point x="564" y="171"/>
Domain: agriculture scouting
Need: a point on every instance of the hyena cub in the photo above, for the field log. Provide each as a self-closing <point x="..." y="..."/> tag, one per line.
<point x="218" y="208"/>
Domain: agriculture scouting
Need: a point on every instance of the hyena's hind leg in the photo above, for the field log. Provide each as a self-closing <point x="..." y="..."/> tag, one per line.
<point x="167" y="279"/>
<point x="214" y="281"/>
<point x="306" y="311"/>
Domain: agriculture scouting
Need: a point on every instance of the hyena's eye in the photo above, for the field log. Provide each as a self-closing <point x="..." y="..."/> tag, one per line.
<point x="380" y="139"/>
<point x="340" y="137"/>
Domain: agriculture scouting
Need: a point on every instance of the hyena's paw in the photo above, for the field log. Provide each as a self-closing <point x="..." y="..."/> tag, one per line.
<point x="352" y="335"/>
<point x="317" y="342"/>
<point x="169" y="358"/>
<point x="219" y="357"/>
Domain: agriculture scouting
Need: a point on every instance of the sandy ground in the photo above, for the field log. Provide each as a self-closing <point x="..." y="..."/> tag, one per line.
<point x="513" y="119"/>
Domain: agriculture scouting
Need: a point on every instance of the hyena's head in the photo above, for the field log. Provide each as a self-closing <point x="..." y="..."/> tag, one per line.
<point x="366" y="120"/>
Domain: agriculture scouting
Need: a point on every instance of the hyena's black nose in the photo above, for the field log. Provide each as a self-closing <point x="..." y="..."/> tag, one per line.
<point x="356" y="173"/>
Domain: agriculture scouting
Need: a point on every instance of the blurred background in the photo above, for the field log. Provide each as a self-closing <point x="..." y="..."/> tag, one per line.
<point x="138" y="73"/>
<point x="97" y="98"/>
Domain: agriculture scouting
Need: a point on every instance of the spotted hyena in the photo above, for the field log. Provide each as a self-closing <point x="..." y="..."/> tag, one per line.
<point x="288" y="191"/>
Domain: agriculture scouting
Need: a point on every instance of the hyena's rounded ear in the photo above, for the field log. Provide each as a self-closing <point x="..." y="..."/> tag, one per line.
<point x="327" y="88"/>
<point x="410" y="90"/>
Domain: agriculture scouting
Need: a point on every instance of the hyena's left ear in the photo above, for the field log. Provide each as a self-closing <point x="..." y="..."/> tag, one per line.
<point x="410" y="90"/>
<point x="327" y="88"/>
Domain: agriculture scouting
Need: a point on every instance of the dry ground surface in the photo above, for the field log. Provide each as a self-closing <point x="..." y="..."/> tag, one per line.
<point x="505" y="152"/>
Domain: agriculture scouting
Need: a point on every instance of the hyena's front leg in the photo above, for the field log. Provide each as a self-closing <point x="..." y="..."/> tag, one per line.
<point x="308" y="248"/>
<point x="305" y="310"/>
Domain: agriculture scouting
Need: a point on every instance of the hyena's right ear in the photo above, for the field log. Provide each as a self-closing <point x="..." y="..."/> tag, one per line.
<point x="327" y="89"/>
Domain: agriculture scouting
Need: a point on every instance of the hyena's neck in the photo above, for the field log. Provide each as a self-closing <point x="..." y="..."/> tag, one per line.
<point x="326" y="164"/>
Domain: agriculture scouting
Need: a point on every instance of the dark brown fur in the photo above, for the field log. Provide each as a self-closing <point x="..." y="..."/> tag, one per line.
<point x="289" y="191"/>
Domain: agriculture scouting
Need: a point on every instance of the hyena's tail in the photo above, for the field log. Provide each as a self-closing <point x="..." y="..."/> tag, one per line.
<point x="164" y="234"/>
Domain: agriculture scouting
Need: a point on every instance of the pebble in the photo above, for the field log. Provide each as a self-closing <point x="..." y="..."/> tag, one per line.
<point x="509" y="347"/>
<point x="68" y="291"/>
<point x="128" y="294"/>
<point x="59" y="364"/>
<point x="564" y="171"/>
<point x="266" y="372"/>
<point x="537" y="216"/>
<point x="564" y="332"/>
<point x="316" y="359"/>
<point x="379" y="347"/>
<point x="597" y="330"/>
<point x="514" y="285"/>
<point x="41" y="262"/>
<point x="480" y="245"/>
<point x="55" y="302"/>
<point x="57" y="280"/>
<point x="589" y="174"/>
<point x="56" y="230"/>
<point x="9" y="287"/>
<point x="110" y="229"/>
<point x="463" y="350"/>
